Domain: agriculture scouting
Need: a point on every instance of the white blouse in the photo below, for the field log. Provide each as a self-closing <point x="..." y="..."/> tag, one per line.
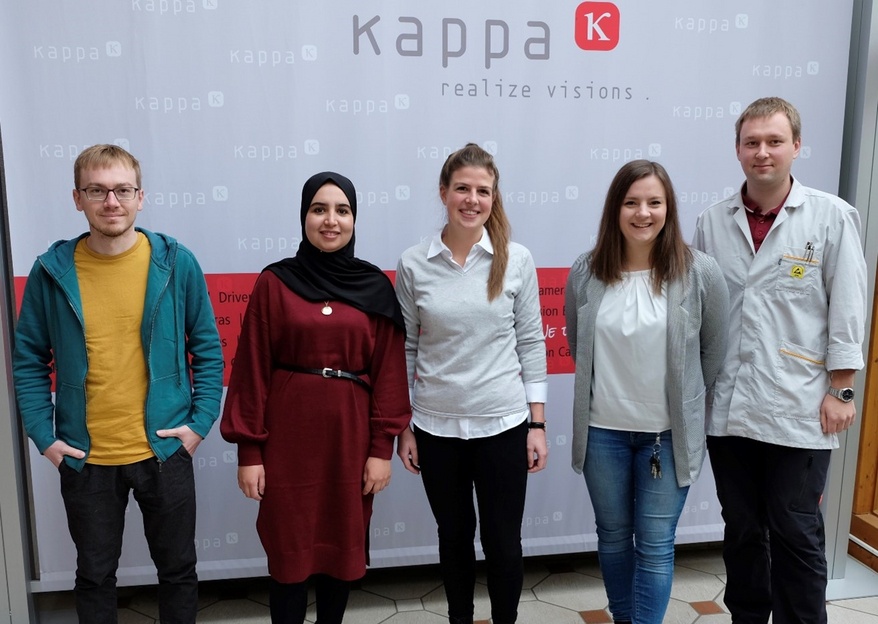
<point x="629" y="392"/>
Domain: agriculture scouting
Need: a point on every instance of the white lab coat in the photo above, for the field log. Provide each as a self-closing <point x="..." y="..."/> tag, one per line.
<point x="795" y="315"/>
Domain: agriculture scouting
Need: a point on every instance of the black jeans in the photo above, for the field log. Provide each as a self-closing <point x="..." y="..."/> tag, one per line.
<point x="96" y="499"/>
<point x="774" y="537"/>
<point x="497" y="467"/>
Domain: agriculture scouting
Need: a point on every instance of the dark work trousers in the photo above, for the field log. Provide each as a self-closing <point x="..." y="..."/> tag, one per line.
<point x="95" y="500"/>
<point x="497" y="467"/>
<point x="774" y="537"/>
<point x="288" y="602"/>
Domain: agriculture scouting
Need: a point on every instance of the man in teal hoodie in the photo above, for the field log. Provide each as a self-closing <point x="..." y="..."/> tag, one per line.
<point x="125" y="316"/>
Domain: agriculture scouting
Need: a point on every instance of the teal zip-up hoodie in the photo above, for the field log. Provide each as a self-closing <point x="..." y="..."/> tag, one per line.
<point x="178" y="322"/>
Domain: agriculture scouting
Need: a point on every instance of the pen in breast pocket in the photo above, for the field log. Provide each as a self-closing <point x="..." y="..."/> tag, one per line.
<point x="809" y="251"/>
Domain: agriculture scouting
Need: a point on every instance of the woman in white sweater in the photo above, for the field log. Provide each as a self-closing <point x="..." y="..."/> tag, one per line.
<point x="477" y="373"/>
<point x="647" y="322"/>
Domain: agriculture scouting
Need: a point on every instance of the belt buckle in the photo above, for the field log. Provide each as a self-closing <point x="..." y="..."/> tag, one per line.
<point x="327" y="372"/>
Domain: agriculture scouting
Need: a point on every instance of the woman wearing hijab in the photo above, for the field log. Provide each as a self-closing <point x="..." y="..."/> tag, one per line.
<point x="317" y="394"/>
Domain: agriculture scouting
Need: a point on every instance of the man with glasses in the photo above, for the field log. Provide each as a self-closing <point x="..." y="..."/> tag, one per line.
<point x="125" y="316"/>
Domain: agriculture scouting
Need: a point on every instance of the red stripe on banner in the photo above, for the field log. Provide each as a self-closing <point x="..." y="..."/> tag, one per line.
<point x="18" y="283"/>
<point x="230" y="293"/>
<point x="552" y="285"/>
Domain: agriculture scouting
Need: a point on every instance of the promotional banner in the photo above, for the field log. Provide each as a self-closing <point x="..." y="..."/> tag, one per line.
<point x="231" y="106"/>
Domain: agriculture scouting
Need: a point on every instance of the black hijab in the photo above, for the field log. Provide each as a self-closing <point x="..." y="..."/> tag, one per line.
<point x="320" y="276"/>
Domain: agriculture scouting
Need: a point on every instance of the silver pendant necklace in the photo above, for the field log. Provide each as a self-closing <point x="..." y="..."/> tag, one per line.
<point x="327" y="310"/>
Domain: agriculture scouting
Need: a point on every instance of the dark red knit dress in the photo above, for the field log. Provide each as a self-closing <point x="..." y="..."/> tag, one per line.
<point x="314" y="434"/>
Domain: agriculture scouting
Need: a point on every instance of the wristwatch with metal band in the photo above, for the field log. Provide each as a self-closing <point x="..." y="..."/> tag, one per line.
<point x="842" y="394"/>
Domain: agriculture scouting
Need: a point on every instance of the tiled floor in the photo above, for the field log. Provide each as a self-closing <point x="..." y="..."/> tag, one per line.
<point x="558" y="590"/>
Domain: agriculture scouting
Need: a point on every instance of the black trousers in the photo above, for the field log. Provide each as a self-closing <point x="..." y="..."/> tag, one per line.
<point x="774" y="544"/>
<point x="496" y="467"/>
<point x="288" y="602"/>
<point x="96" y="499"/>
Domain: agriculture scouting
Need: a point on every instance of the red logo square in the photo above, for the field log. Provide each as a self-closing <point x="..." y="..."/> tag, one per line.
<point x="597" y="26"/>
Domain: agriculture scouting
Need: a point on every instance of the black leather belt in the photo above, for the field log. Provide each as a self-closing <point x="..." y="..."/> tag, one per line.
<point x="331" y="373"/>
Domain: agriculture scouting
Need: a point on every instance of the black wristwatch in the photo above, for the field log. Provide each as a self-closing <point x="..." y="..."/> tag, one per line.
<point x="842" y="394"/>
<point x="536" y="425"/>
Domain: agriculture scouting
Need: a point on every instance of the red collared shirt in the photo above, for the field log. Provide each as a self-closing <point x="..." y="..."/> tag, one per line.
<point x="760" y="222"/>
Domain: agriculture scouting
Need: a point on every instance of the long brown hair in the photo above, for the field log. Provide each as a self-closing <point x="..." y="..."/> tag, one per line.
<point x="670" y="256"/>
<point x="497" y="224"/>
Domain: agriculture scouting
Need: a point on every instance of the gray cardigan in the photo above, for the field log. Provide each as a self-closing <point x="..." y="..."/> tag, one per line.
<point x="698" y="319"/>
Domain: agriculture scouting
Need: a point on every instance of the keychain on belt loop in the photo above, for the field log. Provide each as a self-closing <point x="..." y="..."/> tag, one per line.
<point x="655" y="462"/>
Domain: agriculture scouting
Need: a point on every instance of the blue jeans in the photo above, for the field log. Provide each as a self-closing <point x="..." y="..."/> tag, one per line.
<point x="636" y="517"/>
<point x="95" y="500"/>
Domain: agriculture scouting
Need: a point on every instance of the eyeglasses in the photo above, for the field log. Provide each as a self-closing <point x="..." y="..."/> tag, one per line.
<point x="123" y="193"/>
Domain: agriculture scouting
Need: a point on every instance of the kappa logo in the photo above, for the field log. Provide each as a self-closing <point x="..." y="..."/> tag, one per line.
<point x="597" y="26"/>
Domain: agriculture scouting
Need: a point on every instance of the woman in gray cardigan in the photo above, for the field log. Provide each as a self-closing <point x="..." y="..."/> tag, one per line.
<point x="647" y="324"/>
